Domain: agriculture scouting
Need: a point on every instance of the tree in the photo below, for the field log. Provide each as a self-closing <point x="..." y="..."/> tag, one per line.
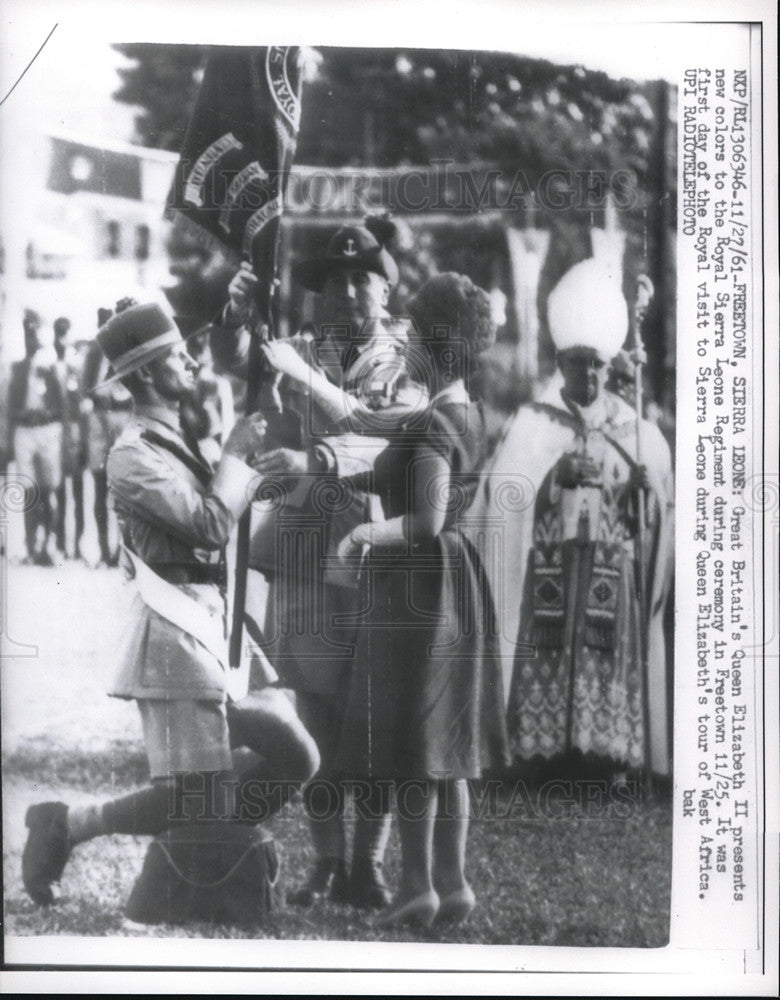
<point x="412" y="105"/>
<point x="163" y="83"/>
<point x="393" y="107"/>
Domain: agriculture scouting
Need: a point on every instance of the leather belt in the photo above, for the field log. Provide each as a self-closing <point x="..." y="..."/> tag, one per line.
<point x="35" y="418"/>
<point x="191" y="572"/>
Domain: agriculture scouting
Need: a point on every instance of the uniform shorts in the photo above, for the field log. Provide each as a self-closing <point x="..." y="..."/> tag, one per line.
<point x="185" y="736"/>
<point x="38" y="452"/>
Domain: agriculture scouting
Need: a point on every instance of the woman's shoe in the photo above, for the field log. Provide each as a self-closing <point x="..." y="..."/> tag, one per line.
<point x="420" y="910"/>
<point x="456" y="907"/>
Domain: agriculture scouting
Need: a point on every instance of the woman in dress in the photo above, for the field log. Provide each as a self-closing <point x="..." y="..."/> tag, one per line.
<point x="424" y="705"/>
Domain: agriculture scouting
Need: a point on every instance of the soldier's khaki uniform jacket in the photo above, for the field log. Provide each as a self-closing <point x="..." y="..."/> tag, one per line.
<point x="178" y="528"/>
<point x="295" y="539"/>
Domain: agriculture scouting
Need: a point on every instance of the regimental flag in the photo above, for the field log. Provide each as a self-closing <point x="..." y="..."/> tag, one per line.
<point x="233" y="170"/>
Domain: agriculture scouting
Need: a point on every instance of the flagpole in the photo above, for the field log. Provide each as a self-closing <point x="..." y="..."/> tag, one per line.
<point x="260" y="329"/>
<point x="229" y="188"/>
<point x="266" y="266"/>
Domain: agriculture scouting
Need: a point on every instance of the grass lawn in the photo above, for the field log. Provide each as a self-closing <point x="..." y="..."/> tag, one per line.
<point x="567" y="874"/>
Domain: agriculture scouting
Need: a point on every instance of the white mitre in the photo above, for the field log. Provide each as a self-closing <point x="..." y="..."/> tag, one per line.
<point x="587" y="309"/>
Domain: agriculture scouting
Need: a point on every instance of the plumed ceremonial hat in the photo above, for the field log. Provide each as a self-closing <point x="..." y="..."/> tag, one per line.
<point x="136" y="336"/>
<point x="352" y="247"/>
<point x="587" y="309"/>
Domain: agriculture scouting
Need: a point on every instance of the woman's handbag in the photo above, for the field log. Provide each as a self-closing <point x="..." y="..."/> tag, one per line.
<point x="209" y="871"/>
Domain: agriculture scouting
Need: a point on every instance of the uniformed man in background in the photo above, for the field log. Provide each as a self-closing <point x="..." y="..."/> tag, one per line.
<point x="35" y="412"/>
<point x="68" y="370"/>
<point x="364" y="354"/>
<point x="107" y="407"/>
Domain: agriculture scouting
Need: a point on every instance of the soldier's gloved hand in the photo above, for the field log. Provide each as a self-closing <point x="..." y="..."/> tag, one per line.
<point x="283" y="358"/>
<point x="246" y="437"/>
<point x="241" y="292"/>
<point x="281" y="462"/>
<point x="574" y="469"/>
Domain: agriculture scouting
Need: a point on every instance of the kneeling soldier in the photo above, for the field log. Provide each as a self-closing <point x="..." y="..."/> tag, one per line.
<point x="176" y="515"/>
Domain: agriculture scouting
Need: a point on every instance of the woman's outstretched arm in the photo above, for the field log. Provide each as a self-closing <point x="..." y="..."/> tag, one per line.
<point x="428" y="480"/>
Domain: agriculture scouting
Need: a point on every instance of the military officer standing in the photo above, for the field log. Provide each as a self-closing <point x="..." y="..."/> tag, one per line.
<point x="361" y="355"/>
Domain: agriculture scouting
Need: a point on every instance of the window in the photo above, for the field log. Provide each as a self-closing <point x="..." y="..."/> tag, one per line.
<point x="114" y="233"/>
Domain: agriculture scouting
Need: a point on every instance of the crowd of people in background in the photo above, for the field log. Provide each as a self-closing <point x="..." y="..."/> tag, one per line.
<point x="435" y="622"/>
<point x="60" y="423"/>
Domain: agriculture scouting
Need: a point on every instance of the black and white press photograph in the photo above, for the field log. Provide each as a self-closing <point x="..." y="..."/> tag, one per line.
<point x="338" y="432"/>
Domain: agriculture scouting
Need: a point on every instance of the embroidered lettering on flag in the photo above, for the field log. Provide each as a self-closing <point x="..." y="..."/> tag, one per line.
<point x="237" y="190"/>
<point x="232" y="174"/>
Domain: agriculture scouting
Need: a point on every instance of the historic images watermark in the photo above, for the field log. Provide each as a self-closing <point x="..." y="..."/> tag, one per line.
<point x="18" y="494"/>
<point x="440" y="186"/>
<point x="209" y="795"/>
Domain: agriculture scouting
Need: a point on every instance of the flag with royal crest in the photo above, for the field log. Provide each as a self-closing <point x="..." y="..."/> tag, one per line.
<point x="232" y="174"/>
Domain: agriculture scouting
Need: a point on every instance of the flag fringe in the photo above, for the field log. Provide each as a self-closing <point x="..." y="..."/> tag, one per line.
<point x="200" y="235"/>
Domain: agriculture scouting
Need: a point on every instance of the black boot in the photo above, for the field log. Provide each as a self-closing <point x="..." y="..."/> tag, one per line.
<point x="329" y="880"/>
<point x="367" y="887"/>
<point x="46" y="851"/>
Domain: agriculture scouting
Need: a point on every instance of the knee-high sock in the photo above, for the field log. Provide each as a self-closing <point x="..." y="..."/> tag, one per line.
<point x="165" y="803"/>
<point x="62" y="495"/>
<point x="48" y="512"/>
<point x="78" y="503"/>
<point x="30" y="527"/>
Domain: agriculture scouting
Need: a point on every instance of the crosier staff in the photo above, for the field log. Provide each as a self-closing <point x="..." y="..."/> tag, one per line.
<point x="643" y="297"/>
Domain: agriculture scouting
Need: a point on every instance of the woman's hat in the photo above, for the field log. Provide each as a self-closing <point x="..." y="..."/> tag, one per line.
<point x="352" y="247"/>
<point x="134" y="337"/>
<point x="587" y="309"/>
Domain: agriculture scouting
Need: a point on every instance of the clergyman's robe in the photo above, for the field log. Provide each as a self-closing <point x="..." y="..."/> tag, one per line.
<point x="564" y="571"/>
